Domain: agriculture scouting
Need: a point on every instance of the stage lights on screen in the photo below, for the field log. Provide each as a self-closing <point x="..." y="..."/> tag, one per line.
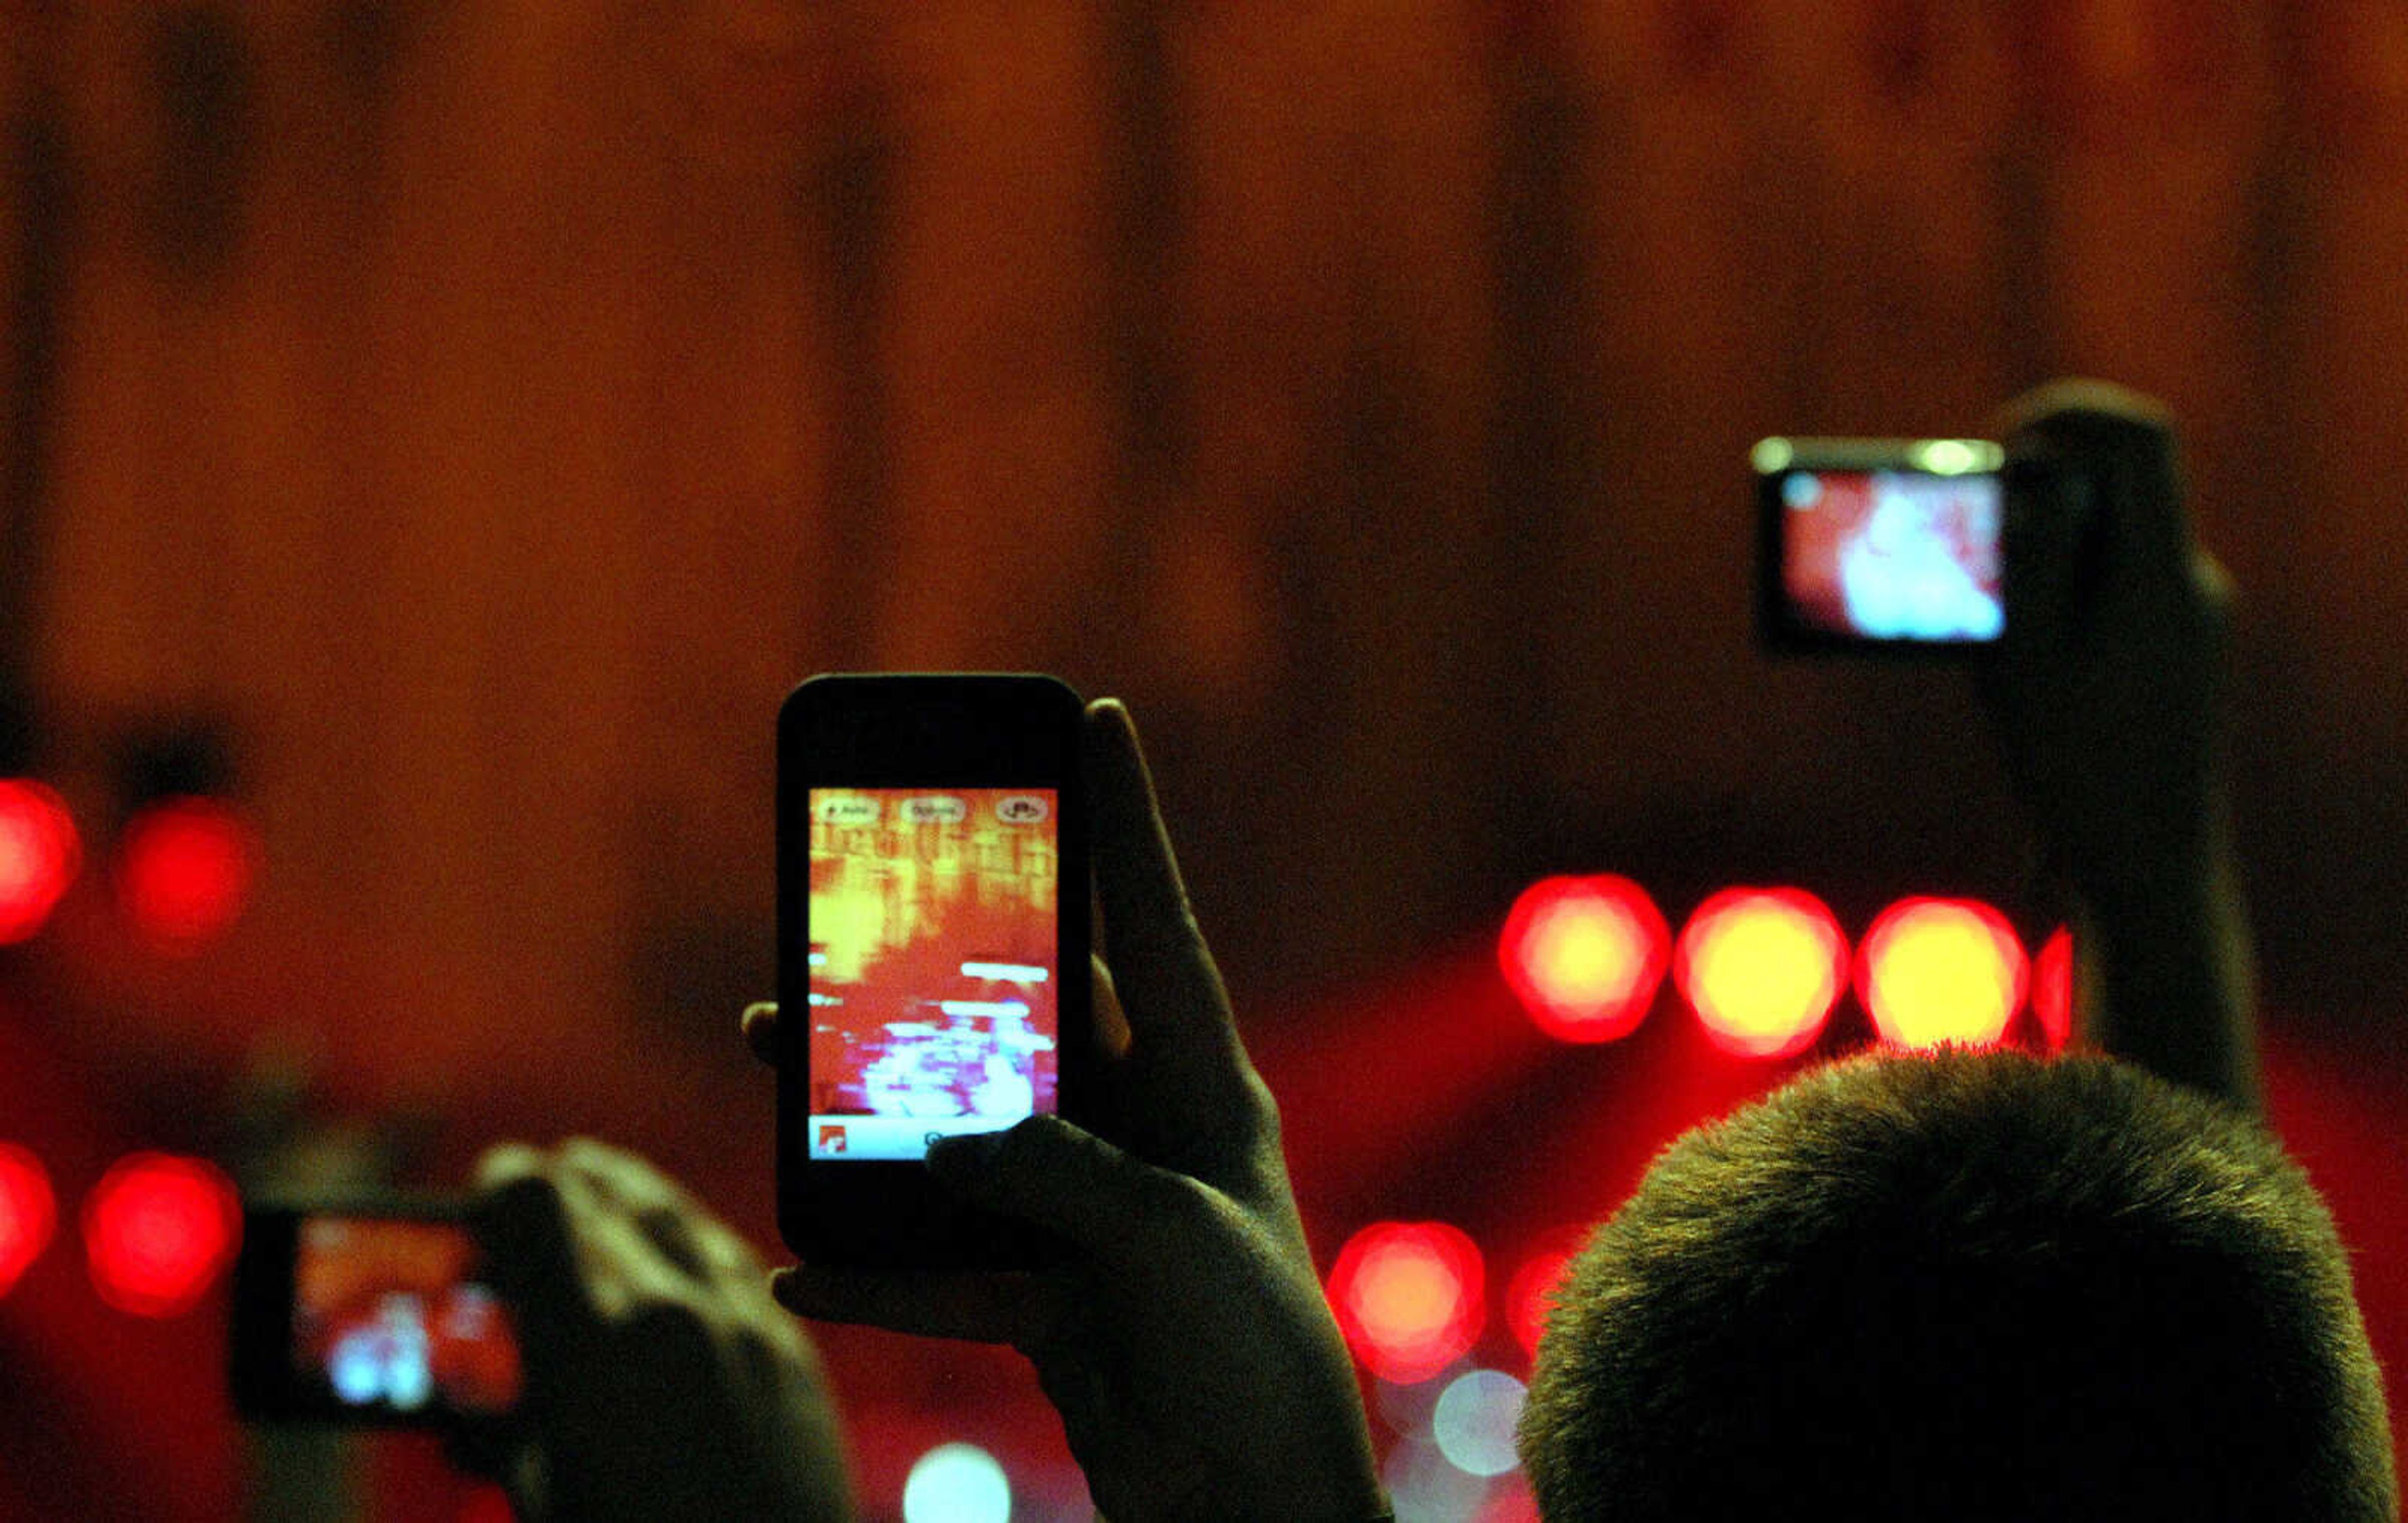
<point x="1586" y="955"/>
<point x="1763" y="968"/>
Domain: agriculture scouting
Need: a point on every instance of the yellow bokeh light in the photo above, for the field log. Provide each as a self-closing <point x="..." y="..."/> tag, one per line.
<point x="1941" y="970"/>
<point x="1762" y="969"/>
<point x="1586" y="952"/>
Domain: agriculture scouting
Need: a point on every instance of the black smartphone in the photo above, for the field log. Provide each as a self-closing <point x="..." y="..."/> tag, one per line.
<point x="376" y="1313"/>
<point x="1869" y="544"/>
<point x="933" y="897"/>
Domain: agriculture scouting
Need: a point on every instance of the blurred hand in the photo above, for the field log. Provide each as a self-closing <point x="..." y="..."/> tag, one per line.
<point x="2108" y="686"/>
<point x="2109" y="691"/>
<point x="1197" y="1368"/>
<point x="662" y="1381"/>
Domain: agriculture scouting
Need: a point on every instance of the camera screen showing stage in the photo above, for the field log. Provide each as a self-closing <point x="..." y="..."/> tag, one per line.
<point x="1887" y="554"/>
<point x="388" y="1316"/>
<point x="933" y="964"/>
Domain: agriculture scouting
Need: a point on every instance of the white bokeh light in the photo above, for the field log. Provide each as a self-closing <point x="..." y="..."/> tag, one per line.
<point x="1473" y="1425"/>
<point x="957" y="1482"/>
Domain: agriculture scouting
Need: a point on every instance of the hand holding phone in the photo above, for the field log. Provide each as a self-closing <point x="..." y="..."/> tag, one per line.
<point x="2109" y="694"/>
<point x="662" y="1380"/>
<point x="1182" y="1334"/>
<point x="582" y="1329"/>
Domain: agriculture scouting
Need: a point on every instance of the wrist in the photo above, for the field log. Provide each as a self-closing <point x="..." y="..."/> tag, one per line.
<point x="2144" y="878"/>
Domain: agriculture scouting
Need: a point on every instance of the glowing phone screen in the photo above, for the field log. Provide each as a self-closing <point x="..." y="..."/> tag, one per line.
<point x="933" y="965"/>
<point x="1888" y="555"/>
<point x="389" y="1316"/>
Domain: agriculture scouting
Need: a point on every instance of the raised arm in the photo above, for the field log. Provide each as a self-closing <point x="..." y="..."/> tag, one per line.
<point x="1197" y="1369"/>
<point x="2108" y="693"/>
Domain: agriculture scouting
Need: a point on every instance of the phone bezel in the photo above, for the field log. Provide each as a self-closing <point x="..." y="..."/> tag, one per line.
<point x="916" y="730"/>
<point x="266" y="1383"/>
<point x="1779" y="629"/>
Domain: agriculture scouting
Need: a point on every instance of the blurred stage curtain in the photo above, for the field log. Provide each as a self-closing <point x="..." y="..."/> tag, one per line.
<point x="491" y="408"/>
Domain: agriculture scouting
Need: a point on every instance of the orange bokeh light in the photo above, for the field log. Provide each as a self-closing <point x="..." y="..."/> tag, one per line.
<point x="1762" y="969"/>
<point x="1585" y="956"/>
<point x="39" y="854"/>
<point x="1409" y="1298"/>
<point x="1936" y="970"/>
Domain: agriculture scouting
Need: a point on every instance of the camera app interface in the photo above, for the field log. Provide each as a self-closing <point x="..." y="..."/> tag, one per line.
<point x="388" y="1316"/>
<point x="933" y="965"/>
<point x="1887" y="554"/>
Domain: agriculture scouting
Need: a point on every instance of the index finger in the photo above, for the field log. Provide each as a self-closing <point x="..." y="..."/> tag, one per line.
<point x="760" y="1025"/>
<point x="1168" y="987"/>
<point x="978" y="1307"/>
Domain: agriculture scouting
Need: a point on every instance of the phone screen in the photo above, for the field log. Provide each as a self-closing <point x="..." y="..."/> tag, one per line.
<point x="390" y="1319"/>
<point x="1893" y="554"/>
<point x="935" y="965"/>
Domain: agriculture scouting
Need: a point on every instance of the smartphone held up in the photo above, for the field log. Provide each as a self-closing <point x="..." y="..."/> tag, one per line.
<point x="932" y="951"/>
<point x="1879" y="544"/>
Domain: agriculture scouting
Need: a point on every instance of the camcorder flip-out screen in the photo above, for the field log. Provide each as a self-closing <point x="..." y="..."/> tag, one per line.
<point x="1879" y="544"/>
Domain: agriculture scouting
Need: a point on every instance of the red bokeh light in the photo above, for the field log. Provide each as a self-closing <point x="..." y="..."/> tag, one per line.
<point x="1762" y="968"/>
<point x="2052" y="990"/>
<point x="184" y="870"/>
<point x="1586" y="955"/>
<point x="40" y="855"/>
<point x="484" y="1502"/>
<point x="158" y="1230"/>
<point x="28" y="1213"/>
<point x="1530" y="1294"/>
<point x="1409" y="1297"/>
<point x="1935" y="970"/>
<point x="1513" y="1503"/>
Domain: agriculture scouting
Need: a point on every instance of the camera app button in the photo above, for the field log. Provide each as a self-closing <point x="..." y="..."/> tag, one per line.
<point x="846" y="809"/>
<point x="1021" y="809"/>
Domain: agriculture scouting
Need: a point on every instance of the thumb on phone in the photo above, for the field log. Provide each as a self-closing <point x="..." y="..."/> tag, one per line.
<point x="1048" y="1172"/>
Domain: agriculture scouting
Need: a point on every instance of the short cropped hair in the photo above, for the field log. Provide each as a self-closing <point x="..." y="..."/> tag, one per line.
<point x="1971" y="1286"/>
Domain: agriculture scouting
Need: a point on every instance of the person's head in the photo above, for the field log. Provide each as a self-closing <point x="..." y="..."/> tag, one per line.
<point x="1973" y="1285"/>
